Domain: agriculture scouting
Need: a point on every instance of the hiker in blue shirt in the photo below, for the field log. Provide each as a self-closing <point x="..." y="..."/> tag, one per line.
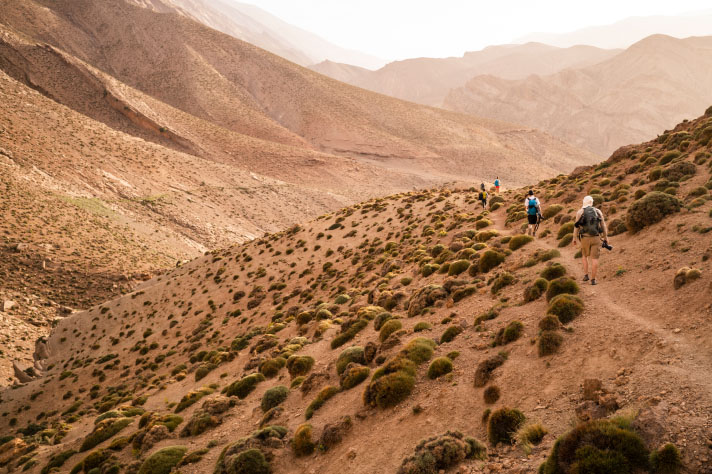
<point x="533" y="208"/>
<point x="496" y="185"/>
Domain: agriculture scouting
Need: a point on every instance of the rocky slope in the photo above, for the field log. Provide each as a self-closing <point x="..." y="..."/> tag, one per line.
<point x="651" y="86"/>
<point x="348" y="340"/>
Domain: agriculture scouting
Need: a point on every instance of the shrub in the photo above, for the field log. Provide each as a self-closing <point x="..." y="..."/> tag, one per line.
<point x="271" y="367"/>
<point x="419" y="350"/>
<point x="565" y="229"/>
<point x="191" y="397"/>
<point x="103" y="431"/>
<point x="482" y="223"/>
<point x="439" y="367"/>
<point x="429" y="268"/>
<point x="349" y="333"/>
<point x="501" y="281"/>
<point x="243" y="387"/>
<point x="551" y="211"/>
<point x="491" y="394"/>
<point x="422" y="326"/>
<point x="519" y="241"/>
<point x="562" y="285"/>
<point x="458" y="266"/>
<point x="534" y="291"/>
<point x="342" y="299"/>
<point x="442" y="452"/>
<point x="450" y="334"/>
<point x="597" y="446"/>
<point x="566" y="307"/>
<point x="530" y="434"/>
<point x="353" y="375"/>
<point x="199" y="422"/>
<point x="381" y="320"/>
<point x="273" y="397"/>
<point x="549" y="343"/>
<point x="299" y="365"/>
<point x="389" y="328"/>
<point x="650" y="209"/>
<point x="565" y="240"/>
<point x="489" y="260"/>
<point x="503" y="424"/>
<point x="666" y="460"/>
<point x="245" y="456"/>
<point x="325" y="394"/>
<point x="391" y="384"/>
<point x="553" y="271"/>
<point x="302" y="443"/>
<point x="57" y="460"/>
<point x="508" y="334"/>
<point x="549" y="323"/>
<point x="485" y="368"/>
<point x="352" y="354"/>
<point x="163" y="461"/>
<point x="462" y="293"/>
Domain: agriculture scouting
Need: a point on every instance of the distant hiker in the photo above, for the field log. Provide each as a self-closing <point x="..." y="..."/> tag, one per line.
<point x="496" y="185"/>
<point x="482" y="186"/>
<point x="591" y="231"/>
<point x="483" y="197"/>
<point x="533" y="208"/>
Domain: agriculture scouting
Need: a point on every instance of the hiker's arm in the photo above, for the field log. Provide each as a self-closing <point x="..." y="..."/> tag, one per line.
<point x="577" y="230"/>
<point x="604" y="227"/>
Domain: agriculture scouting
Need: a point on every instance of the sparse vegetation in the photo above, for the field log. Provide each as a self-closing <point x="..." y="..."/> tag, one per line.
<point x="439" y="367"/>
<point x="441" y="453"/>
<point x="503" y="424"/>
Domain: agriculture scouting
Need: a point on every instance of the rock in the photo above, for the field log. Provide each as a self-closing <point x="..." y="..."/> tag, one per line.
<point x="424" y="297"/>
<point x="20" y="247"/>
<point x="609" y="402"/>
<point x="590" y="389"/>
<point x="589" y="410"/>
<point x="64" y="310"/>
<point x="351" y="454"/>
<point x="155" y="434"/>
<point x="7" y="305"/>
<point x="23" y="375"/>
<point x="392" y="341"/>
<point x="217" y="405"/>
<point x="648" y="424"/>
<point x="12" y="450"/>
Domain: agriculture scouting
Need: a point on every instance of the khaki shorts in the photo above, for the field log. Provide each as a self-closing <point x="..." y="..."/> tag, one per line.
<point x="591" y="246"/>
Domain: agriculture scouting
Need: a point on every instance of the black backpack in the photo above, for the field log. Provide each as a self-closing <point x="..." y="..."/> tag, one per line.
<point x="590" y="222"/>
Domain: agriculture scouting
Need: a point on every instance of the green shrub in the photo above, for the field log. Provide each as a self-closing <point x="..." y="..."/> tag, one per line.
<point x="489" y="260"/>
<point x="199" y="422"/>
<point x="421" y="326"/>
<point x="552" y="272"/>
<point x="429" y="268"/>
<point x="353" y="375"/>
<point x="441" y="453"/>
<point x="391" y="384"/>
<point x="271" y="367"/>
<point x="565" y="240"/>
<point x="549" y="343"/>
<point x="389" y="328"/>
<point x="273" y="397"/>
<point x="243" y="387"/>
<point x="419" y="350"/>
<point x="349" y="333"/>
<point x="302" y="444"/>
<point x="299" y="365"/>
<point x="57" y="460"/>
<point x="450" y="334"/>
<point x="491" y="394"/>
<point x="519" y="241"/>
<point x="163" y="461"/>
<point x="650" y="209"/>
<point x="464" y="292"/>
<point x="458" y="266"/>
<point x="508" y="334"/>
<point x="501" y="281"/>
<point x="530" y="434"/>
<point x="566" y="307"/>
<point x="534" y="291"/>
<point x="342" y="299"/>
<point x="549" y="323"/>
<point x="666" y="460"/>
<point x="669" y="156"/>
<point x="565" y="229"/>
<point x="352" y="354"/>
<point x="103" y="431"/>
<point x="482" y="223"/>
<point x="551" y="211"/>
<point x="439" y="367"/>
<point x="380" y="320"/>
<point x="597" y="446"/>
<point x="325" y="394"/>
<point x="562" y="285"/>
<point x="503" y="424"/>
<point x="190" y="398"/>
<point x="249" y="461"/>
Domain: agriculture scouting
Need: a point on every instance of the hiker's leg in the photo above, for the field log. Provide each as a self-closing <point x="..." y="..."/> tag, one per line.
<point x="585" y="264"/>
<point x="594" y="268"/>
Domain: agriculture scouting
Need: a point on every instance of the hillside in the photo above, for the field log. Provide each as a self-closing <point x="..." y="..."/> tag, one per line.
<point x="650" y="86"/>
<point x="348" y="340"/>
<point x="429" y="80"/>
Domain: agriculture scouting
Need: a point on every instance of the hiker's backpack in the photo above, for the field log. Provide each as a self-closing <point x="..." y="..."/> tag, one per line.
<point x="531" y="206"/>
<point x="590" y="222"/>
<point x="483" y="196"/>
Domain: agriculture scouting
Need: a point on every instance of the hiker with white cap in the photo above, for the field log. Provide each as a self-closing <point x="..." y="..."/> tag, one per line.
<point x="592" y="233"/>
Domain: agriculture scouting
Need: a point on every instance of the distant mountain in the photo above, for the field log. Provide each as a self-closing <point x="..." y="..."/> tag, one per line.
<point x="628" y="31"/>
<point x="254" y="25"/>
<point x="429" y="80"/>
<point x="649" y="87"/>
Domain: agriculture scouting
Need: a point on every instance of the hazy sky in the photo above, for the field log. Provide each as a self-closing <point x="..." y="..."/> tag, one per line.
<point x="399" y="29"/>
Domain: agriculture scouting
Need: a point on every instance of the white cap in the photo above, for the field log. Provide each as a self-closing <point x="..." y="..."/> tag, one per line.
<point x="587" y="201"/>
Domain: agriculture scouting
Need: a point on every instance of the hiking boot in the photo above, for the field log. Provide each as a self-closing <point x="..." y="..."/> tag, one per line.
<point x="593" y="282"/>
<point x="585" y="278"/>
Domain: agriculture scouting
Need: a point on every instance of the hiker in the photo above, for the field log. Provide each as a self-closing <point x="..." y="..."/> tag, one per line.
<point x="591" y="231"/>
<point x="483" y="197"/>
<point x="496" y="185"/>
<point x="533" y="208"/>
<point x="482" y="186"/>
